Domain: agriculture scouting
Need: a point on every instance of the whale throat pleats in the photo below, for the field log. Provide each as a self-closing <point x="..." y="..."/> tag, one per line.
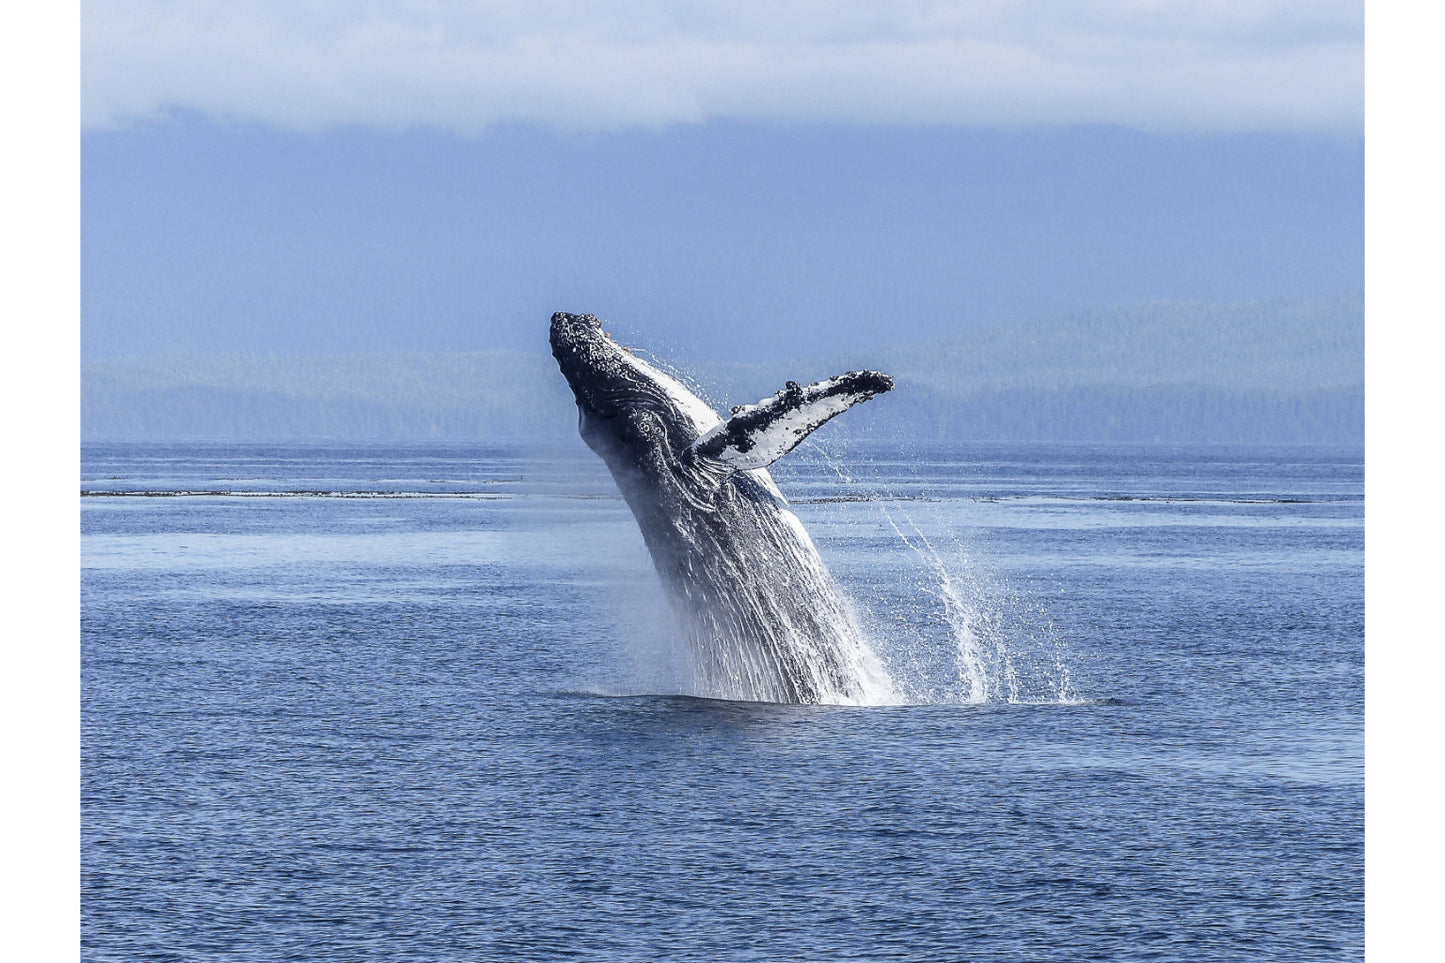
<point x="758" y="435"/>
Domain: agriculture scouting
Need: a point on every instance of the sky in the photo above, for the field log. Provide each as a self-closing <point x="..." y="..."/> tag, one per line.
<point x="1221" y="65"/>
<point x="717" y="179"/>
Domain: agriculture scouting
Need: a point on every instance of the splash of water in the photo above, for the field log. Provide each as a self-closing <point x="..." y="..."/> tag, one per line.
<point x="979" y="641"/>
<point x="792" y="639"/>
<point x="954" y="635"/>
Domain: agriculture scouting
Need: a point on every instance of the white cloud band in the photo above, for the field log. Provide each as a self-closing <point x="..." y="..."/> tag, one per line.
<point x="463" y="66"/>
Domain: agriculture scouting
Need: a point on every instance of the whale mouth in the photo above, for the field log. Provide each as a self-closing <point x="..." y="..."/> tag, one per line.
<point x="594" y="365"/>
<point x="578" y="345"/>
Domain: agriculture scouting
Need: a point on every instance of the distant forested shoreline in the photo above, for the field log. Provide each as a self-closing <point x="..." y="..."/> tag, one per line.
<point x="1259" y="372"/>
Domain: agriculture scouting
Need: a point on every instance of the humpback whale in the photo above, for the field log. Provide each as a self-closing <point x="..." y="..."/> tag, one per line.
<point x="765" y="619"/>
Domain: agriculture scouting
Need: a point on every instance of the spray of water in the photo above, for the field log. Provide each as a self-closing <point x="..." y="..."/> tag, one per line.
<point x="956" y="633"/>
<point x="939" y="629"/>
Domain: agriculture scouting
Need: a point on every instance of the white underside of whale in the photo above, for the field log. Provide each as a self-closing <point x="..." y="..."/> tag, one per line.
<point x="781" y="435"/>
<point x="705" y="421"/>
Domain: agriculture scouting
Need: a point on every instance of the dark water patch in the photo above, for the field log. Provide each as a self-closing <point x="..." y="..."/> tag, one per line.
<point x="289" y="493"/>
<point x="1181" y="499"/>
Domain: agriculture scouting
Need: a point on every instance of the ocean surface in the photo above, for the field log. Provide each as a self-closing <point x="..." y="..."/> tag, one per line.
<point x="379" y="702"/>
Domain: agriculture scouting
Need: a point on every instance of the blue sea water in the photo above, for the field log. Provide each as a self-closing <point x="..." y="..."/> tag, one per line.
<point x="357" y="702"/>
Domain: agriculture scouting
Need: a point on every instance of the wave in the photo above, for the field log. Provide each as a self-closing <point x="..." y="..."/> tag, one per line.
<point x="685" y="699"/>
<point x="290" y="493"/>
<point x="1160" y="499"/>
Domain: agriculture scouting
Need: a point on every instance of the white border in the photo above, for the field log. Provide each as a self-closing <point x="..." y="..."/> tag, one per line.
<point x="1403" y="318"/>
<point x="40" y="94"/>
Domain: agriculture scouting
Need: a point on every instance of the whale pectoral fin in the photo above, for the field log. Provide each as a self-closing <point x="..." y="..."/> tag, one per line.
<point x="758" y="435"/>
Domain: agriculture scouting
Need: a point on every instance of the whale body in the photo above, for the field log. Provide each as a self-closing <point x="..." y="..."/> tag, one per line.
<point x="765" y="619"/>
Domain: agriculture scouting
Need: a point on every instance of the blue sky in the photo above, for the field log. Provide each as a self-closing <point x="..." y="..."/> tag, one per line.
<point x="724" y="179"/>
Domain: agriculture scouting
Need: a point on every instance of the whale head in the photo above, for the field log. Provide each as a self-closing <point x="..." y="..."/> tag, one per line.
<point x="632" y="413"/>
<point x="627" y="407"/>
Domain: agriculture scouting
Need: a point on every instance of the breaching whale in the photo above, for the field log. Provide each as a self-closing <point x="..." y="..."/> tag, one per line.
<point x="765" y="619"/>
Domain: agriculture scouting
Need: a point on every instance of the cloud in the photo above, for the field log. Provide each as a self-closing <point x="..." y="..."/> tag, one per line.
<point x="1205" y="65"/>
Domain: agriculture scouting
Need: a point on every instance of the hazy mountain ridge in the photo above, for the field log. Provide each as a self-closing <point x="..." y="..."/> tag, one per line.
<point x="495" y="394"/>
<point x="1289" y="371"/>
<point x="1287" y="345"/>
